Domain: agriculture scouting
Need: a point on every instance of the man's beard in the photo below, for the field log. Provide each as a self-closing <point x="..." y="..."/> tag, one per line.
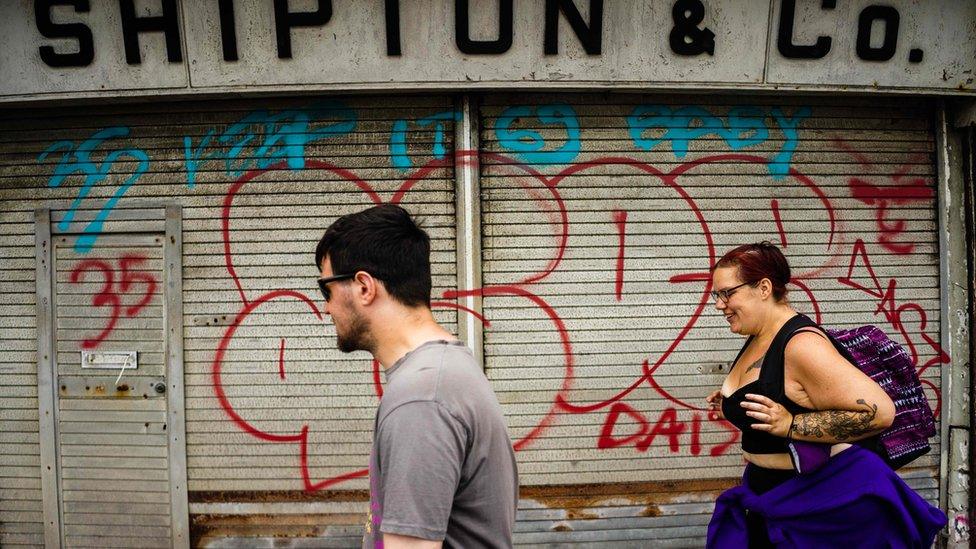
<point x="357" y="336"/>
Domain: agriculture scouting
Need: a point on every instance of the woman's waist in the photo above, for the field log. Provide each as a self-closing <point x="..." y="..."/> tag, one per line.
<point x="782" y="461"/>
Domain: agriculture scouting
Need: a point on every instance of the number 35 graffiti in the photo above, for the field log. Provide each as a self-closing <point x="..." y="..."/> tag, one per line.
<point x="108" y="297"/>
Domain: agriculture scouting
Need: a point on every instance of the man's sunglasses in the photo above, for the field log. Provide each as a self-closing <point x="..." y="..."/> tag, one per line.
<point x="324" y="283"/>
<point x="726" y="294"/>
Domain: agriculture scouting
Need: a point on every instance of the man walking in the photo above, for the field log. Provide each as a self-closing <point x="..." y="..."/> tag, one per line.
<point x="442" y="469"/>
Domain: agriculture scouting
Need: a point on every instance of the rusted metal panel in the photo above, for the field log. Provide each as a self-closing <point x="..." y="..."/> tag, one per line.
<point x="332" y="530"/>
<point x="329" y="518"/>
<point x="571" y="513"/>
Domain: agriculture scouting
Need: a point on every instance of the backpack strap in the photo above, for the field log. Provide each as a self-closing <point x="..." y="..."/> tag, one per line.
<point x="772" y="377"/>
<point x="819" y="331"/>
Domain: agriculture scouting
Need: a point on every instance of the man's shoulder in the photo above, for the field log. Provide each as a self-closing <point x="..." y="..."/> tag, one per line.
<point x="437" y="373"/>
<point x="434" y="362"/>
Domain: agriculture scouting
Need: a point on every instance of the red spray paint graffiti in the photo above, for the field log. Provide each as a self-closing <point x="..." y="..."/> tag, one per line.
<point x="774" y="206"/>
<point x="249" y="306"/>
<point x="668" y="428"/>
<point x="563" y="401"/>
<point x="620" y="219"/>
<point x="882" y="198"/>
<point x="109" y="297"/>
<point x="667" y="425"/>
<point x="892" y="311"/>
<point x="895" y="191"/>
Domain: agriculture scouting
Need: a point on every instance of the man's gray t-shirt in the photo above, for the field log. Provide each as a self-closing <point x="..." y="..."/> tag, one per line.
<point x="442" y="465"/>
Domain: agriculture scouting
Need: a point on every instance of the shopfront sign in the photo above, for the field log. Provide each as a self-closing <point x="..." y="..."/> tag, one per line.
<point x="101" y="47"/>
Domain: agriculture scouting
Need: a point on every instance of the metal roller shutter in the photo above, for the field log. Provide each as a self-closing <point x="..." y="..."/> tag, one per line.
<point x="280" y="373"/>
<point x="601" y="215"/>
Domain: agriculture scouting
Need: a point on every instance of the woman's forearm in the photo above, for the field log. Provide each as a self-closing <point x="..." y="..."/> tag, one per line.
<point x="833" y="426"/>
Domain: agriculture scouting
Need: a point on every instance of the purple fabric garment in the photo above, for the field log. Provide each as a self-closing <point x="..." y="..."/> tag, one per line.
<point x="808" y="457"/>
<point x="855" y="500"/>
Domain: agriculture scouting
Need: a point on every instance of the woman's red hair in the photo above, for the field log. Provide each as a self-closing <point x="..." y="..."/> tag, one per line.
<point x="755" y="262"/>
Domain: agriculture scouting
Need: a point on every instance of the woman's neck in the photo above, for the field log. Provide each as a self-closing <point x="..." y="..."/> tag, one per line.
<point x="775" y="320"/>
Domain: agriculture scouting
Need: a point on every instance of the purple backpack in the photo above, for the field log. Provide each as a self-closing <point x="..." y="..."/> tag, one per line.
<point x="887" y="363"/>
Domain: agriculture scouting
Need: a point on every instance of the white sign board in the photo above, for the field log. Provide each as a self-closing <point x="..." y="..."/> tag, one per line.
<point x="80" y="48"/>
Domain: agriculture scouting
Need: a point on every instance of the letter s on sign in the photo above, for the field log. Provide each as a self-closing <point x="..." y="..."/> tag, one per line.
<point x="49" y="29"/>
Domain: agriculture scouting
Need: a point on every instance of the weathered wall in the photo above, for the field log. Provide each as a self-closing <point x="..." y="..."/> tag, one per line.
<point x="600" y="216"/>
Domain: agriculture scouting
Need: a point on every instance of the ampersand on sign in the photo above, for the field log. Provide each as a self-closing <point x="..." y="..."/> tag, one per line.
<point x="686" y="38"/>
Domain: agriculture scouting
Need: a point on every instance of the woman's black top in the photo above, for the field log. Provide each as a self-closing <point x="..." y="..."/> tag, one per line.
<point x="771" y="384"/>
<point x="753" y="441"/>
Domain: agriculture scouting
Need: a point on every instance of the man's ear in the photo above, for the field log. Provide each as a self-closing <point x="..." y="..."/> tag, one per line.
<point x="366" y="288"/>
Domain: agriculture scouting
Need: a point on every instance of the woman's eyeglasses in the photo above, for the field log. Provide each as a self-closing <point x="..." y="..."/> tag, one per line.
<point x="324" y="283"/>
<point x="726" y="294"/>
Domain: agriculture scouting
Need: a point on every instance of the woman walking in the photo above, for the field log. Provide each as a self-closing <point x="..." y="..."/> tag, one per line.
<point x="790" y="384"/>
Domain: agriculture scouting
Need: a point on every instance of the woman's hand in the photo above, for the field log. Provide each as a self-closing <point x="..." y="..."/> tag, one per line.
<point x="714" y="401"/>
<point x="771" y="417"/>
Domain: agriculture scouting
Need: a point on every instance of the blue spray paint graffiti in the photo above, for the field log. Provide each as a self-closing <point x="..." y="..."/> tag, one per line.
<point x="529" y="145"/>
<point x="285" y="136"/>
<point x="779" y="166"/>
<point x="78" y="161"/>
<point x="743" y="127"/>
<point x="262" y="138"/>
<point x="398" y="137"/>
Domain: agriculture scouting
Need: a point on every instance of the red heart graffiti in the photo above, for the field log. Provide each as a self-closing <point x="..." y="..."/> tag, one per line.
<point x="547" y="195"/>
<point x="249" y="306"/>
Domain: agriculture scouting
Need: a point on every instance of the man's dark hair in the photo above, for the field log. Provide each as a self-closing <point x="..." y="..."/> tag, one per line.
<point x="386" y="243"/>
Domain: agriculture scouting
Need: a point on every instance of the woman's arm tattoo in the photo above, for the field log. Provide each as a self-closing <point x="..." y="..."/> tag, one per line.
<point x="838" y="424"/>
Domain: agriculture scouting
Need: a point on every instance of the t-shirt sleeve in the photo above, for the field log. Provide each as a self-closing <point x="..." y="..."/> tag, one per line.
<point x="421" y="451"/>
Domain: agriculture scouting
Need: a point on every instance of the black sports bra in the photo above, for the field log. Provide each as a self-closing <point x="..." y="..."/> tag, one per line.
<point x="770" y="384"/>
<point x="753" y="441"/>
